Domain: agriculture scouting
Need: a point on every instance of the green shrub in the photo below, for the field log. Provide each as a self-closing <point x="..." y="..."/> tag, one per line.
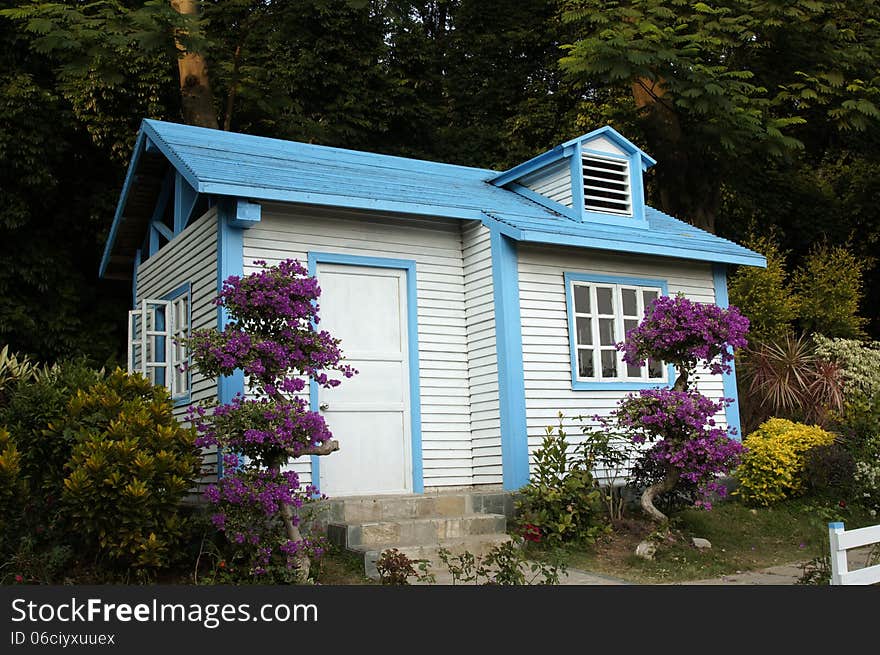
<point x="859" y="362"/>
<point x="762" y="294"/>
<point x="829" y="468"/>
<point x="14" y="368"/>
<point x="31" y="407"/>
<point x="772" y="467"/>
<point x="12" y="487"/>
<point x="130" y="468"/>
<point x="828" y="290"/>
<point x="561" y="502"/>
<point x="866" y="478"/>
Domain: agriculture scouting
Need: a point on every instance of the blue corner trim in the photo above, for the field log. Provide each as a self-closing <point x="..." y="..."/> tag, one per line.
<point x="837" y="525"/>
<point x="719" y="277"/>
<point x="185" y="197"/>
<point x="186" y="287"/>
<point x="139" y="147"/>
<point x="598" y="385"/>
<point x="230" y="261"/>
<point x="511" y="382"/>
<point x="409" y="265"/>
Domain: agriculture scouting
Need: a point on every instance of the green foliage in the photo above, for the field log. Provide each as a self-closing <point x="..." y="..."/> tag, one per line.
<point x="859" y="362"/>
<point x="828" y="289"/>
<point x="829" y="468"/>
<point x="561" y="499"/>
<point x="772" y="467"/>
<point x="130" y="468"/>
<point x="762" y="294"/>
<point x="396" y="568"/>
<point x="504" y="564"/>
<point x="13" y="369"/>
<point x="33" y="413"/>
<point x="715" y="86"/>
<point x="788" y="379"/>
<point x="12" y="485"/>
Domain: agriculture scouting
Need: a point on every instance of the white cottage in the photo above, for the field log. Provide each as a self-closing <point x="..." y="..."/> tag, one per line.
<point x="476" y="304"/>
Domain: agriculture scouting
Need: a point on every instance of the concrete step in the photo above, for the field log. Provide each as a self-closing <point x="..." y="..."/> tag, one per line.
<point x="413" y="532"/>
<point x="364" y="509"/>
<point x="477" y="545"/>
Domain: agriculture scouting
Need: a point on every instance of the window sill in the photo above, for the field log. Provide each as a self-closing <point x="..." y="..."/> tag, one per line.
<point x="580" y="385"/>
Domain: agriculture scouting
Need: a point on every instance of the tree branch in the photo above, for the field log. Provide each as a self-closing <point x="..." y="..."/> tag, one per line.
<point x="324" y="449"/>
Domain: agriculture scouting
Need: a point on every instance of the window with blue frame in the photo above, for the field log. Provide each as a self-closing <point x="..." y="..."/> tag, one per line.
<point x="601" y="310"/>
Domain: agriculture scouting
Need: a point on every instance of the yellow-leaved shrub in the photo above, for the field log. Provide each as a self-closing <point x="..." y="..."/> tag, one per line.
<point x="772" y="468"/>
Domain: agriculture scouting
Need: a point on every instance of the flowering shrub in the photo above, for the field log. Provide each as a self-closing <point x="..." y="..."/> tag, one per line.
<point x="772" y="467"/>
<point x="271" y="336"/>
<point x="688" y="443"/>
<point x="688" y="446"/>
<point x="682" y="332"/>
<point x="859" y="362"/>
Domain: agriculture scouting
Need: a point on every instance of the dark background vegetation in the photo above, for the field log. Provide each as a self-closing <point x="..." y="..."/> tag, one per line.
<point x="762" y="114"/>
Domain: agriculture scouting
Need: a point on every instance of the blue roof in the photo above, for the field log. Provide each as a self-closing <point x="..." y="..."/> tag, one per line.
<point x="258" y="168"/>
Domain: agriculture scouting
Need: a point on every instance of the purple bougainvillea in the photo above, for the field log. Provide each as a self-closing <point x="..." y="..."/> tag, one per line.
<point x="683" y="332"/>
<point x="679" y="423"/>
<point x="272" y="337"/>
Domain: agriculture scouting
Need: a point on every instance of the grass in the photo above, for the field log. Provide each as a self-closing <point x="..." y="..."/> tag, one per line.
<point x="742" y="538"/>
<point x="339" y="567"/>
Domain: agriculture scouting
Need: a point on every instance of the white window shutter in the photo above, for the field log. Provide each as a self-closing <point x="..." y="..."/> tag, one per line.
<point x="150" y="331"/>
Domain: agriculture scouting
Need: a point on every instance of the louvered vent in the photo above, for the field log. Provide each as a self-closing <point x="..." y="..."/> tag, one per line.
<point x="606" y="185"/>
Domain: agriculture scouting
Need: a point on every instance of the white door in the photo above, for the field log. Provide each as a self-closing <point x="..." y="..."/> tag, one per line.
<point x="369" y="414"/>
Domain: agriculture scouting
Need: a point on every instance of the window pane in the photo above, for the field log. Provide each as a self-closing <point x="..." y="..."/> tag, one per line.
<point x="628" y="325"/>
<point x="655" y="368"/>
<point x="609" y="363"/>
<point x="633" y="371"/>
<point x="585" y="364"/>
<point x="581" y="299"/>
<point x="606" y="331"/>
<point x="630" y="304"/>
<point x="649" y="296"/>
<point x="584" y="331"/>
<point x="603" y="300"/>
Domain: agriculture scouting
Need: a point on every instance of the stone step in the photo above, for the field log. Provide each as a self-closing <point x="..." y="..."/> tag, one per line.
<point x="477" y="545"/>
<point x="415" y="531"/>
<point x="389" y="508"/>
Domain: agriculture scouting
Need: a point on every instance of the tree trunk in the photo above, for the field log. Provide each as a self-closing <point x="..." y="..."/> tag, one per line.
<point x="196" y="98"/>
<point x="687" y="189"/>
<point x="658" y="488"/>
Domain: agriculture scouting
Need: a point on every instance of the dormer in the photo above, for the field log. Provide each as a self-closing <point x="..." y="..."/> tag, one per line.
<point x="595" y="178"/>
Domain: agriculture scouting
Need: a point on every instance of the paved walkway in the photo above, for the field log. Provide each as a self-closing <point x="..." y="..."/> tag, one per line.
<point x="786" y="574"/>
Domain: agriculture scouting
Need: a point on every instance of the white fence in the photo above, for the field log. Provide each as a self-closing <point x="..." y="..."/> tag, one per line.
<point x="843" y="540"/>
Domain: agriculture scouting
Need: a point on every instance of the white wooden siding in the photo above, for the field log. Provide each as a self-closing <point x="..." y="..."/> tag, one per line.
<point x="603" y="144"/>
<point x="546" y="354"/>
<point x="190" y="257"/>
<point x="436" y="246"/>
<point x="552" y="182"/>
<point x="482" y="357"/>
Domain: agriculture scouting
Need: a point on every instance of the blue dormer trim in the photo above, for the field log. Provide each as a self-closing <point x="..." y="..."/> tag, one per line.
<point x="637" y="162"/>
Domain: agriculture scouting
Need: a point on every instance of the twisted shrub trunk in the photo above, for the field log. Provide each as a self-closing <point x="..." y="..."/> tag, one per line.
<point x="670" y="480"/>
